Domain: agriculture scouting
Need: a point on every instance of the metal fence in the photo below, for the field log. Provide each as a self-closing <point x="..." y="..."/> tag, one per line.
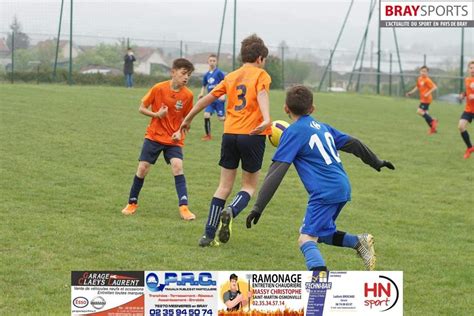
<point x="99" y="60"/>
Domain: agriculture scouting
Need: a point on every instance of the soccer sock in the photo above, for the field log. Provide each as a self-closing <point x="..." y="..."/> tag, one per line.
<point x="217" y="205"/>
<point x="427" y="118"/>
<point x="240" y="202"/>
<point x="135" y="190"/>
<point x="207" y="126"/>
<point x="467" y="140"/>
<point x="312" y="255"/>
<point x="180" y="183"/>
<point x="340" y="239"/>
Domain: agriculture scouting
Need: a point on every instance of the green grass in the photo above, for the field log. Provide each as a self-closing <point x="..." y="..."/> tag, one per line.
<point x="68" y="156"/>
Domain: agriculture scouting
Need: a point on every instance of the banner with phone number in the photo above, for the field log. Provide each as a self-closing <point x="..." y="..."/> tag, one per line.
<point x="235" y="293"/>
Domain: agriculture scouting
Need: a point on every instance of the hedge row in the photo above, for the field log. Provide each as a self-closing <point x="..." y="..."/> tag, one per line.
<point x="89" y="79"/>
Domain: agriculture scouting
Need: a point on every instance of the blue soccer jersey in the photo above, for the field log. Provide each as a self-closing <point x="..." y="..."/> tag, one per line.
<point x="312" y="147"/>
<point x="212" y="78"/>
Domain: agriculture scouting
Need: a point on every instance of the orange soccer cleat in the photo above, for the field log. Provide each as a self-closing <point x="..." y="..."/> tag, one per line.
<point x="130" y="209"/>
<point x="468" y="152"/>
<point x="434" y="125"/>
<point x="206" y="137"/>
<point x="185" y="213"/>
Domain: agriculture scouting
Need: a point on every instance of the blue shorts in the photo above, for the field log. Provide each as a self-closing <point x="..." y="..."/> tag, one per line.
<point x="320" y="219"/>
<point x="216" y="107"/>
<point x="248" y="148"/>
<point x="467" y="116"/>
<point x="424" y="106"/>
<point x="151" y="151"/>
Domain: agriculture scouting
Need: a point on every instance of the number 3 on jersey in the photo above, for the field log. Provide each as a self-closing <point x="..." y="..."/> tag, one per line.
<point x="314" y="140"/>
<point x="241" y="96"/>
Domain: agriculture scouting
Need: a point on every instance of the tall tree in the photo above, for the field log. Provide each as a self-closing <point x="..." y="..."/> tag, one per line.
<point x="21" y="39"/>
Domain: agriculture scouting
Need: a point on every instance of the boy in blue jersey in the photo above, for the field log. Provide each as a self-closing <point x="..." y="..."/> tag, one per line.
<point x="313" y="147"/>
<point x="210" y="80"/>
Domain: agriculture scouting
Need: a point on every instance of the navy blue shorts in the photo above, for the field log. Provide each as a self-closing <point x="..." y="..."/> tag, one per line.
<point x="320" y="219"/>
<point x="424" y="106"/>
<point x="218" y="107"/>
<point x="151" y="151"/>
<point x="248" y="148"/>
<point x="467" y="116"/>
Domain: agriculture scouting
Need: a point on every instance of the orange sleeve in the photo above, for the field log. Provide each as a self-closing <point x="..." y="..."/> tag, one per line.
<point x="263" y="82"/>
<point x="149" y="98"/>
<point x="431" y="84"/>
<point x="219" y="90"/>
<point x="190" y="105"/>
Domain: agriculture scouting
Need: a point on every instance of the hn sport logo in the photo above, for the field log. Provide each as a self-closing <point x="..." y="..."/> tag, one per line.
<point x="382" y="295"/>
<point x="178" y="279"/>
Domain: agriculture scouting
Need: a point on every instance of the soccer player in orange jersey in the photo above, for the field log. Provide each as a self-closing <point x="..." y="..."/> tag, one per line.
<point x="425" y="86"/>
<point x="167" y="103"/>
<point x="246" y="125"/>
<point x="468" y="113"/>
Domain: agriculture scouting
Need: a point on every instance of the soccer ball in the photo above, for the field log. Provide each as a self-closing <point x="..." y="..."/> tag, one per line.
<point x="277" y="129"/>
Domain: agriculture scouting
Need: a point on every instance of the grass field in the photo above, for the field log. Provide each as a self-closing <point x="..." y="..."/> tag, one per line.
<point x="68" y="156"/>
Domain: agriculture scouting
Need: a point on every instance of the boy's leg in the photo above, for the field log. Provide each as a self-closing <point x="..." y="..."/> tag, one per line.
<point x="326" y="215"/>
<point x="466" y="118"/>
<point x="150" y="152"/>
<point x="251" y="150"/>
<point x="174" y="156"/>
<point x="207" y="122"/>
<point x="423" y="112"/>
<point x="223" y="191"/>
<point x="313" y="258"/>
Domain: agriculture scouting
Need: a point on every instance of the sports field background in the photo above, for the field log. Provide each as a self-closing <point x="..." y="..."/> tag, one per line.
<point x="68" y="156"/>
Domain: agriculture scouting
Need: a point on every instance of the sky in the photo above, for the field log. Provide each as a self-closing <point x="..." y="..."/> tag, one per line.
<point x="299" y="23"/>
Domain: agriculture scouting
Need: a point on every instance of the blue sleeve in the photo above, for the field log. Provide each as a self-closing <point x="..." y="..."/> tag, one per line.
<point x="221" y="76"/>
<point x="204" y="80"/>
<point x="288" y="148"/>
<point x="340" y="139"/>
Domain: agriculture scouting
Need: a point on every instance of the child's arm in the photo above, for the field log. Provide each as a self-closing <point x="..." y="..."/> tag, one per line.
<point x="431" y="90"/>
<point x="201" y="94"/>
<point x="360" y="150"/>
<point x="264" y="105"/>
<point x="143" y="109"/>
<point x="198" y="107"/>
<point x="411" y="91"/>
<point x="272" y="181"/>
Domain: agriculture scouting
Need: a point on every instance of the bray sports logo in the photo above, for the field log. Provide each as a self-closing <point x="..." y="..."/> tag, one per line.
<point x="179" y="279"/>
<point x="382" y="295"/>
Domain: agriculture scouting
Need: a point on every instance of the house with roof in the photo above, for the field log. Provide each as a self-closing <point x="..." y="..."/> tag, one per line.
<point x="150" y="59"/>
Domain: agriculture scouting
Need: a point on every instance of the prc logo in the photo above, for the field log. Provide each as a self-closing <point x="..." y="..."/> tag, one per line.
<point x="183" y="279"/>
<point x="383" y="294"/>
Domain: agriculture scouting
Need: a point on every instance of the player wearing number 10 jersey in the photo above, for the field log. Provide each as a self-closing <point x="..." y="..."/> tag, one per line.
<point x="247" y="122"/>
<point x="313" y="147"/>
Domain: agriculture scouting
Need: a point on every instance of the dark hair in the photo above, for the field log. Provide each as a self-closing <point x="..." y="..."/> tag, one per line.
<point x="212" y="55"/>
<point x="424" y="67"/>
<point x="252" y="48"/>
<point x="470" y="63"/>
<point x="299" y="100"/>
<point x="183" y="63"/>
<point x="233" y="276"/>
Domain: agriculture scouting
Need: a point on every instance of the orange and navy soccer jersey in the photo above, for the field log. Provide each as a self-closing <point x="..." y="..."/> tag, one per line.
<point x="242" y="87"/>
<point x="424" y="84"/>
<point x="469" y="82"/>
<point x="179" y="104"/>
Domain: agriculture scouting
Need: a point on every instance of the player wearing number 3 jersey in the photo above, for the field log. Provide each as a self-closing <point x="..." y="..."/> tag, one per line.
<point x="247" y="122"/>
<point x="313" y="147"/>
